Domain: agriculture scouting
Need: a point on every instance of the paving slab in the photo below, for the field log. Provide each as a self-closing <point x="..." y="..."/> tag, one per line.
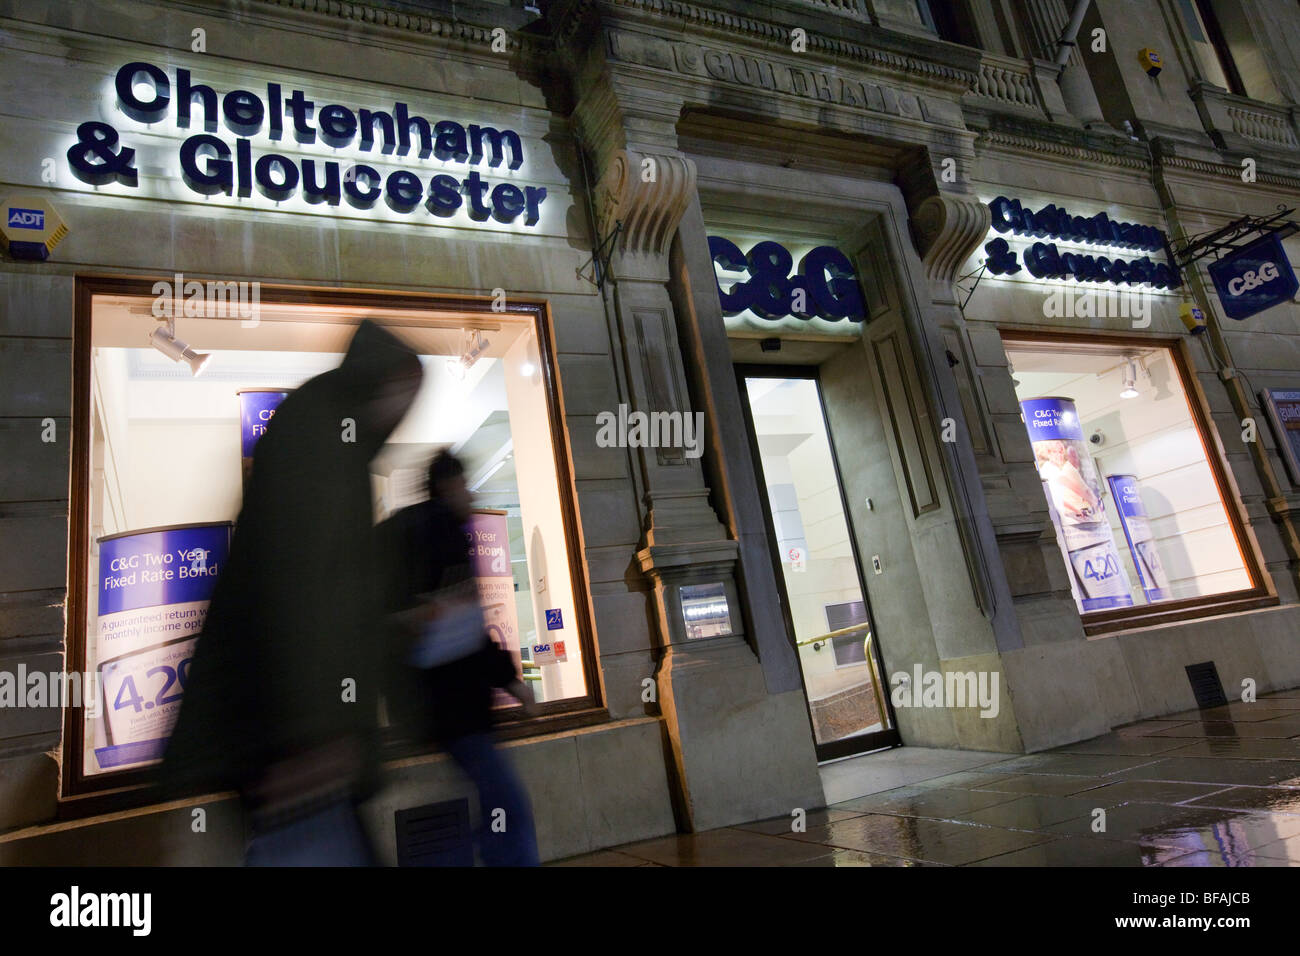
<point x="1219" y="787"/>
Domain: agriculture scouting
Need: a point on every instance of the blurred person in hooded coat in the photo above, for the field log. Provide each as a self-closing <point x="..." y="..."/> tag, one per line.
<point x="452" y="666"/>
<point x="281" y="702"/>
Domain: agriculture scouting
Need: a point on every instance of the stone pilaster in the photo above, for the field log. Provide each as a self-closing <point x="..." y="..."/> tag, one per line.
<point x="739" y="751"/>
<point x="643" y="195"/>
<point x="1009" y="537"/>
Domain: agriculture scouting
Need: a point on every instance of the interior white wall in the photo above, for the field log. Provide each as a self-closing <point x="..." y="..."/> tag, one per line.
<point x="793" y="413"/>
<point x="1154" y="438"/>
<point x="542" y="518"/>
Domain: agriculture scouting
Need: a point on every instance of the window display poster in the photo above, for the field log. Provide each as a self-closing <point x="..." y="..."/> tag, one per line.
<point x="1141" y="540"/>
<point x="1060" y="536"/>
<point x="489" y="555"/>
<point x="256" y="408"/>
<point x="1067" y="470"/>
<point x="153" y="591"/>
<point x="1283" y="408"/>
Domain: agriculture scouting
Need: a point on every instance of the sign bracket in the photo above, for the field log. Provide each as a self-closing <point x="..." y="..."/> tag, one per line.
<point x="600" y="257"/>
<point x="1226" y="239"/>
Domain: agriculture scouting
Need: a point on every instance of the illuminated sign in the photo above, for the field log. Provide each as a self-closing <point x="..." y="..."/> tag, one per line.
<point x="825" y="286"/>
<point x="1253" y="278"/>
<point x="1044" y="260"/>
<point x="211" y="165"/>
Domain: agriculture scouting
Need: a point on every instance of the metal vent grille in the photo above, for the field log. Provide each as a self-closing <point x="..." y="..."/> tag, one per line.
<point x="437" y="834"/>
<point x="1206" y="685"/>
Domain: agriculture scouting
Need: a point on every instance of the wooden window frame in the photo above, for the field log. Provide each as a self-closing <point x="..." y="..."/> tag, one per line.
<point x="82" y="795"/>
<point x="1261" y="593"/>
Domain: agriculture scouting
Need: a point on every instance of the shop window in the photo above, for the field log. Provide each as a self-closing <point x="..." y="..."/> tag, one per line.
<point x="168" y="446"/>
<point x="1141" y="508"/>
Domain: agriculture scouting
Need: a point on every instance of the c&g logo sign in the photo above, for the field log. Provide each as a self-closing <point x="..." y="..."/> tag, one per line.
<point x="825" y="285"/>
<point x="1253" y="280"/>
<point x="1255" y="277"/>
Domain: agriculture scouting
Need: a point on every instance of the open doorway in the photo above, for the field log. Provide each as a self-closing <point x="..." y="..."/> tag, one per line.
<point x="823" y="596"/>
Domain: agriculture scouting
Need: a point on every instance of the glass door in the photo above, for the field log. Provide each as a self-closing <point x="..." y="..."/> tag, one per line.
<point x="823" y="597"/>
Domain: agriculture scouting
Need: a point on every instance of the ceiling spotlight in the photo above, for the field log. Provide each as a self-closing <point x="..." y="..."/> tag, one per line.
<point x="1130" y="380"/>
<point x="471" y="351"/>
<point x="527" y="368"/>
<point x="477" y="346"/>
<point x="165" y="341"/>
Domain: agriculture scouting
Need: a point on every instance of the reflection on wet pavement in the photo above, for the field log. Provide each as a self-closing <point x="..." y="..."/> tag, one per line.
<point x="1219" y="787"/>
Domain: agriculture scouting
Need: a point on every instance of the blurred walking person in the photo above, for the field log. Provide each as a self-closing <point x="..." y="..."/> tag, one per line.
<point x="455" y="665"/>
<point x="281" y="703"/>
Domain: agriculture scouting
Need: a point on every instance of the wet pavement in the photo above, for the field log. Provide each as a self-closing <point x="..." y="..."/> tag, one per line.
<point x="1216" y="787"/>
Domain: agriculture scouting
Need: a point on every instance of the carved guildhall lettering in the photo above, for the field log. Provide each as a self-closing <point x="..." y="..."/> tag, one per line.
<point x="812" y="84"/>
<point x="752" y="71"/>
<point x="770" y="75"/>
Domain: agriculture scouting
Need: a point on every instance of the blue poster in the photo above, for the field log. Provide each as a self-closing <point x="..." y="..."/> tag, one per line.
<point x="1125" y="493"/>
<point x="256" y="408"/>
<point x="153" y="590"/>
<point x="1074" y="490"/>
<point x="1051" y="419"/>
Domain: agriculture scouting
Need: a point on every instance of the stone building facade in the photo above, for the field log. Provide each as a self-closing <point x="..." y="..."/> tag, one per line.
<point x="884" y="130"/>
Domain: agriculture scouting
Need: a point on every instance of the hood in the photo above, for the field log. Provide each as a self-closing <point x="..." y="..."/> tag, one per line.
<point x="376" y="358"/>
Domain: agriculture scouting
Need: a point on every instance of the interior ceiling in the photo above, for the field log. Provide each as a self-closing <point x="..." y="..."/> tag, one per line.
<point x="126" y="321"/>
<point x="1056" y="372"/>
<point x="1061" y="361"/>
<point x="249" y="369"/>
<point x="1043" y="384"/>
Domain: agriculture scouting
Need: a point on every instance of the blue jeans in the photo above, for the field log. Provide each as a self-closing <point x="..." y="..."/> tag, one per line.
<point x="331" y="837"/>
<point x="499" y="789"/>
